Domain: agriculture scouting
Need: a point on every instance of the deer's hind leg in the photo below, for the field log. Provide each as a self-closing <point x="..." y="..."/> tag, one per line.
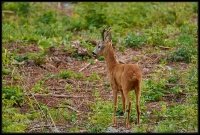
<point x="123" y="101"/>
<point x="138" y="94"/>
<point x="127" y="108"/>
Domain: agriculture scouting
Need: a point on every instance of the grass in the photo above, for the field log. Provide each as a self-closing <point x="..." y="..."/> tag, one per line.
<point x="101" y="118"/>
<point x="144" y="27"/>
<point x="70" y="74"/>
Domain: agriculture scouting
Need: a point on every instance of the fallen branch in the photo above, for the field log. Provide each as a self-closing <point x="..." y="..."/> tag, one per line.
<point x="56" y="95"/>
<point x="164" y="47"/>
<point x="174" y="85"/>
<point x="87" y="66"/>
<point x="8" y="12"/>
<point x="84" y="67"/>
<point x="46" y="126"/>
<point x="56" y="88"/>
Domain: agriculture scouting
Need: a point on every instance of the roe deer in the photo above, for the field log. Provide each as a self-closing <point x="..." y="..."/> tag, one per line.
<point x="123" y="77"/>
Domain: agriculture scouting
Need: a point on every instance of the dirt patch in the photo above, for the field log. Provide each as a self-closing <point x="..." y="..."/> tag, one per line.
<point x="57" y="59"/>
<point x="22" y="49"/>
<point x="175" y="98"/>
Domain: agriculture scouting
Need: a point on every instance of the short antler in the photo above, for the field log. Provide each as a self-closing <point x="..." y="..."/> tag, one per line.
<point x="106" y="34"/>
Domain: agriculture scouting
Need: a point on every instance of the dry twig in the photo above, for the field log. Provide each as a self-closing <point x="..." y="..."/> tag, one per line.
<point x="56" y="95"/>
<point x="87" y="66"/>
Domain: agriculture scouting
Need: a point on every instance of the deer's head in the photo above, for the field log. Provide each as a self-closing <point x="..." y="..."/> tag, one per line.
<point x="102" y="46"/>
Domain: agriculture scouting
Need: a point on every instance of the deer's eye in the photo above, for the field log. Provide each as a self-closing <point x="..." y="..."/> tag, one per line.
<point x="98" y="46"/>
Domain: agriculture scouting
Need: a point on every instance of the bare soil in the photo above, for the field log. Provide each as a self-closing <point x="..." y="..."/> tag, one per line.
<point x="31" y="74"/>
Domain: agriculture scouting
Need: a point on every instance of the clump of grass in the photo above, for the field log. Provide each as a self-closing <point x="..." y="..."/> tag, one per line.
<point x="7" y="57"/>
<point x="182" y="54"/>
<point x="47" y="18"/>
<point x="14" y="93"/>
<point x="155" y="90"/>
<point x="38" y="87"/>
<point x="101" y="116"/>
<point x="101" y="58"/>
<point x="186" y="50"/>
<point x="6" y="71"/>
<point x="68" y="87"/>
<point x="156" y="37"/>
<point x="93" y="77"/>
<point x="65" y="74"/>
<point x="38" y="59"/>
<point x="20" y="58"/>
<point x="12" y="119"/>
<point x="183" y="117"/>
<point x="135" y="40"/>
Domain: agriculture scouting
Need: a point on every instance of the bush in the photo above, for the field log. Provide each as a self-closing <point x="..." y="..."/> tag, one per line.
<point x="182" y="54"/>
<point x="93" y="13"/>
<point x="155" y="90"/>
<point x="135" y="40"/>
<point x="156" y="36"/>
<point x="13" y="93"/>
<point x="47" y="17"/>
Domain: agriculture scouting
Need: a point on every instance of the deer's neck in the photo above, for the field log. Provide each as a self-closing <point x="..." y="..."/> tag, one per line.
<point x="110" y="58"/>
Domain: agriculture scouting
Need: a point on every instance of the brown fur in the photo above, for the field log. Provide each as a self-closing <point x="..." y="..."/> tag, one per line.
<point x="123" y="77"/>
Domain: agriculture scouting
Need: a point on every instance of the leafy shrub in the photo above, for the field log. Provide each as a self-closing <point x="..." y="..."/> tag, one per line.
<point x="155" y="90"/>
<point x="77" y="24"/>
<point x="14" y="93"/>
<point x="24" y="8"/>
<point x="186" y="40"/>
<point x="12" y="120"/>
<point x="155" y="36"/>
<point x="70" y="74"/>
<point x="48" y="17"/>
<point x="181" y="54"/>
<point x="186" y="50"/>
<point x="94" y="14"/>
<point x="173" y="78"/>
<point x="183" y="117"/>
<point x="135" y="40"/>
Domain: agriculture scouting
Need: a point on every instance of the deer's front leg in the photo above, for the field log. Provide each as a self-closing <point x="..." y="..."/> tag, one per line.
<point x="115" y="107"/>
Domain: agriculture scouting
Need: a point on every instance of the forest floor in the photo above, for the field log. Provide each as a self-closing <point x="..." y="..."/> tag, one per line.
<point x="79" y="99"/>
<point x="52" y="83"/>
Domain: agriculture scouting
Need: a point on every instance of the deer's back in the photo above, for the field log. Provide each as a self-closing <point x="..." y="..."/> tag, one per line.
<point x="126" y="75"/>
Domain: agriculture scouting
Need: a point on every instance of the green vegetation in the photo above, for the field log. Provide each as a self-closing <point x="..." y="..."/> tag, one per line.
<point x="70" y="74"/>
<point x="134" y="40"/>
<point x="169" y="89"/>
<point x="102" y="116"/>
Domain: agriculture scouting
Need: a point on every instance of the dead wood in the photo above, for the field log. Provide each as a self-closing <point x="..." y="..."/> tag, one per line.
<point x="56" y="95"/>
